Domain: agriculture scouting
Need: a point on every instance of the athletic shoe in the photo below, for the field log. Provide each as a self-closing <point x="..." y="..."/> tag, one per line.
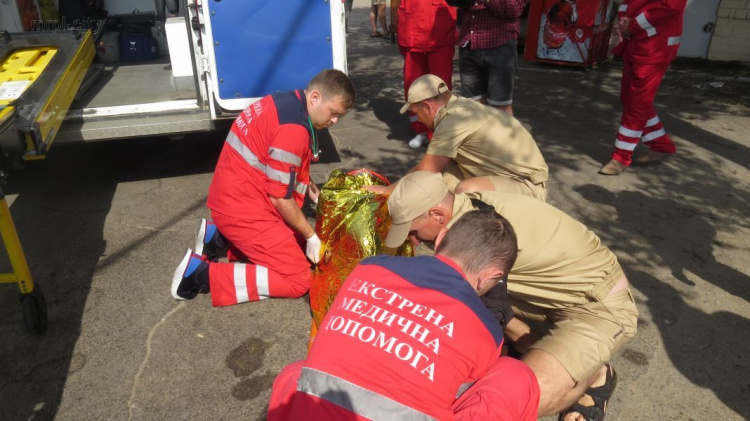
<point x="418" y="140"/>
<point x="209" y="241"/>
<point x="191" y="277"/>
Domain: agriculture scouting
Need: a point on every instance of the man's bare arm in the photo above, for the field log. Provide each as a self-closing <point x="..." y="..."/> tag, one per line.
<point x="293" y="216"/>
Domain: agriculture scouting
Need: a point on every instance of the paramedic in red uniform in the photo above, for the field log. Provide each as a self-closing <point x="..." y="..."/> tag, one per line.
<point x="650" y="37"/>
<point x="426" y="38"/>
<point x="258" y="188"/>
<point x="409" y="338"/>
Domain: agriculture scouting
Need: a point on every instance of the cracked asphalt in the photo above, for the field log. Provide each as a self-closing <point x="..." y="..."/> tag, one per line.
<point x="104" y="224"/>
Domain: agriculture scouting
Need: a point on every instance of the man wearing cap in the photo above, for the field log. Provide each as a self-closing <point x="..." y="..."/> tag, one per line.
<point x="563" y="275"/>
<point x="409" y="338"/>
<point x="474" y="146"/>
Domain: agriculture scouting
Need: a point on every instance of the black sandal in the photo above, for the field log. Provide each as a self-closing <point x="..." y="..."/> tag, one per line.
<point x="600" y="395"/>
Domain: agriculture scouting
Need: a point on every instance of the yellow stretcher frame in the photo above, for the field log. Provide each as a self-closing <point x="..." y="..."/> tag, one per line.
<point x="28" y="125"/>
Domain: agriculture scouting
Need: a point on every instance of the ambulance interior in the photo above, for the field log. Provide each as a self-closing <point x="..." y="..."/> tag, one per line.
<point x="149" y="89"/>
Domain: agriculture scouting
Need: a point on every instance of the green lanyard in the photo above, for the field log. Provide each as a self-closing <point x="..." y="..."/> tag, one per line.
<point x="313" y="141"/>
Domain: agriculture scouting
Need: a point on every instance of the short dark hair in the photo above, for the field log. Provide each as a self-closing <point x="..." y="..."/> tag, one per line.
<point x="332" y="82"/>
<point x="480" y="239"/>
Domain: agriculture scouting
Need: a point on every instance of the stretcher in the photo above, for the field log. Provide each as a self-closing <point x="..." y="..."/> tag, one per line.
<point x="40" y="73"/>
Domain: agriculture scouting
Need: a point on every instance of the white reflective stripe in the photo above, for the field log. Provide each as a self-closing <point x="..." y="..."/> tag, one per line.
<point x="280" y="176"/>
<point x="673" y="40"/>
<point x="619" y="144"/>
<point x="284" y="156"/>
<point x="644" y="23"/>
<point x="622" y="8"/>
<point x="629" y="133"/>
<point x="653" y="135"/>
<point x="301" y="188"/>
<point x="413" y="118"/>
<point x="249" y="157"/>
<point x="261" y="282"/>
<point x="244" y="151"/>
<point x="240" y="282"/>
<point x="357" y="399"/>
<point x="652" y="122"/>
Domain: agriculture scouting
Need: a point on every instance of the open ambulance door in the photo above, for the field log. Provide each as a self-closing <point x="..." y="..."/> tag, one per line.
<point x="254" y="48"/>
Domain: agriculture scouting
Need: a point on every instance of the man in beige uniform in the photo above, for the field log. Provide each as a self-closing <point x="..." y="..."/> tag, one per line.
<point x="563" y="274"/>
<point x="476" y="147"/>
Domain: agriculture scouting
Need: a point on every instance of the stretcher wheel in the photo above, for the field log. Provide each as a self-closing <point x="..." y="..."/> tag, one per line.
<point x="34" y="312"/>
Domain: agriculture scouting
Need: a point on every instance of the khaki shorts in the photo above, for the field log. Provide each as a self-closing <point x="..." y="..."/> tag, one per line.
<point x="583" y="338"/>
<point x="452" y="175"/>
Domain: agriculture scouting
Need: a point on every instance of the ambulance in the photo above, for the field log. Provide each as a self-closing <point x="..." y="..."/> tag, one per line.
<point x="98" y="75"/>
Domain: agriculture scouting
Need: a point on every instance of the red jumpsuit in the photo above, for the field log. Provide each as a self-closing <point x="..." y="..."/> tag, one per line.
<point x="266" y="154"/>
<point x="426" y="38"/>
<point x="655" y="28"/>
<point x="404" y="339"/>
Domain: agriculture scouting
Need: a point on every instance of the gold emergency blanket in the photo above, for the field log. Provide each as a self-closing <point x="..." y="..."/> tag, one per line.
<point x="352" y="224"/>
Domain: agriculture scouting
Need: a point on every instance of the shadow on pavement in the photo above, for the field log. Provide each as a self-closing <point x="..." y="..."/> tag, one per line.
<point x="60" y="213"/>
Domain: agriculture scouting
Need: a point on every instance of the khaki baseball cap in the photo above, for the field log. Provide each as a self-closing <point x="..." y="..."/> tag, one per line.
<point x="425" y="87"/>
<point x="414" y="195"/>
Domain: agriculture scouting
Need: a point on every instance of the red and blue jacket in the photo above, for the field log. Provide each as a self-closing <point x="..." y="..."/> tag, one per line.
<point x="266" y="154"/>
<point x="403" y="338"/>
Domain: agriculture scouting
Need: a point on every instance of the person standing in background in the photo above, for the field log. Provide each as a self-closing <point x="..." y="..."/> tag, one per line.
<point x="650" y="34"/>
<point x="426" y="38"/>
<point x="488" y="56"/>
<point x="377" y="13"/>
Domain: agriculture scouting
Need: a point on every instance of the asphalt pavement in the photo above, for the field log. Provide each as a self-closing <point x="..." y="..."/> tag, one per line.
<point x="104" y="225"/>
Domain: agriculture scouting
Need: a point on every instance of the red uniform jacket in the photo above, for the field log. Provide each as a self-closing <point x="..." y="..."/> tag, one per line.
<point x="403" y="335"/>
<point x="655" y="28"/>
<point x="424" y="25"/>
<point x="266" y="154"/>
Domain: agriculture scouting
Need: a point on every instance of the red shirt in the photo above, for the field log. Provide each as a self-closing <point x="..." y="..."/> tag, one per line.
<point x="424" y="25"/>
<point x="409" y="330"/>
<point x="490" y="25"/>
<point x="266" y="154"/>
<point x="655" y="30"/>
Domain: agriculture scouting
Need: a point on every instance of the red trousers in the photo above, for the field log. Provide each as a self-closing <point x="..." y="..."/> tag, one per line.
<point x="438" y="62"/>
<point x="509" y="391"/>
<point x="275" y="264"/>
<point x="640" y="82"/>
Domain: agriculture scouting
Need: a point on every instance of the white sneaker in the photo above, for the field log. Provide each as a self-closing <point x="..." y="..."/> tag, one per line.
<point x="418" y="141"/>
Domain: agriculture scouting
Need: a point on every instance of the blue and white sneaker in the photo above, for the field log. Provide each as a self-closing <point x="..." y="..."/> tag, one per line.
<point x="209" y="241"/>
<point x="191" y="277"/>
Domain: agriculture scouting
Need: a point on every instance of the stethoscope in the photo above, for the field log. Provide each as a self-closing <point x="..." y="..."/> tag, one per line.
<point x="313" y="141"/>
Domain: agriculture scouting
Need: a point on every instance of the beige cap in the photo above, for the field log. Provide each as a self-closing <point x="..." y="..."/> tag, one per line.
<point x="414" y="195"/>
<point x="425" y="87"/>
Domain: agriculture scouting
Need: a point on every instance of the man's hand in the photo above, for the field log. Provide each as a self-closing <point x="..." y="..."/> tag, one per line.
<point x="313" y="249"/>
<point x="623" y="28"/>
<point x="386" y="190"/>
<point x="313" y="192"/>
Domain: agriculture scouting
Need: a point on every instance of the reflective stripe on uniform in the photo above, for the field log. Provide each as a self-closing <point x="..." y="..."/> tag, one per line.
<point x="653" y="135"/>
<point x="673" y="40"/>
<point x="252" y="159"/>
<point x="284" y="156"/>
<point x="622" y="8"/>
<point x="619" y="144"/>
<point x="244" y="151"/>
<point x="261" y="282"/>
<point x="652" y="122"/>
<point x="629" y="133"/>
<point x="645" y="24"/>
<point x="413" y="118"/>
<point x="301" y="188"/>
<point x="240" y="282"/>
<point x="349" y="396"/>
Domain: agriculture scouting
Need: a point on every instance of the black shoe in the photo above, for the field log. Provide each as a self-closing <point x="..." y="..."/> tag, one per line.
<point x="209" y="242"/>
<point x="191" y="277"/>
